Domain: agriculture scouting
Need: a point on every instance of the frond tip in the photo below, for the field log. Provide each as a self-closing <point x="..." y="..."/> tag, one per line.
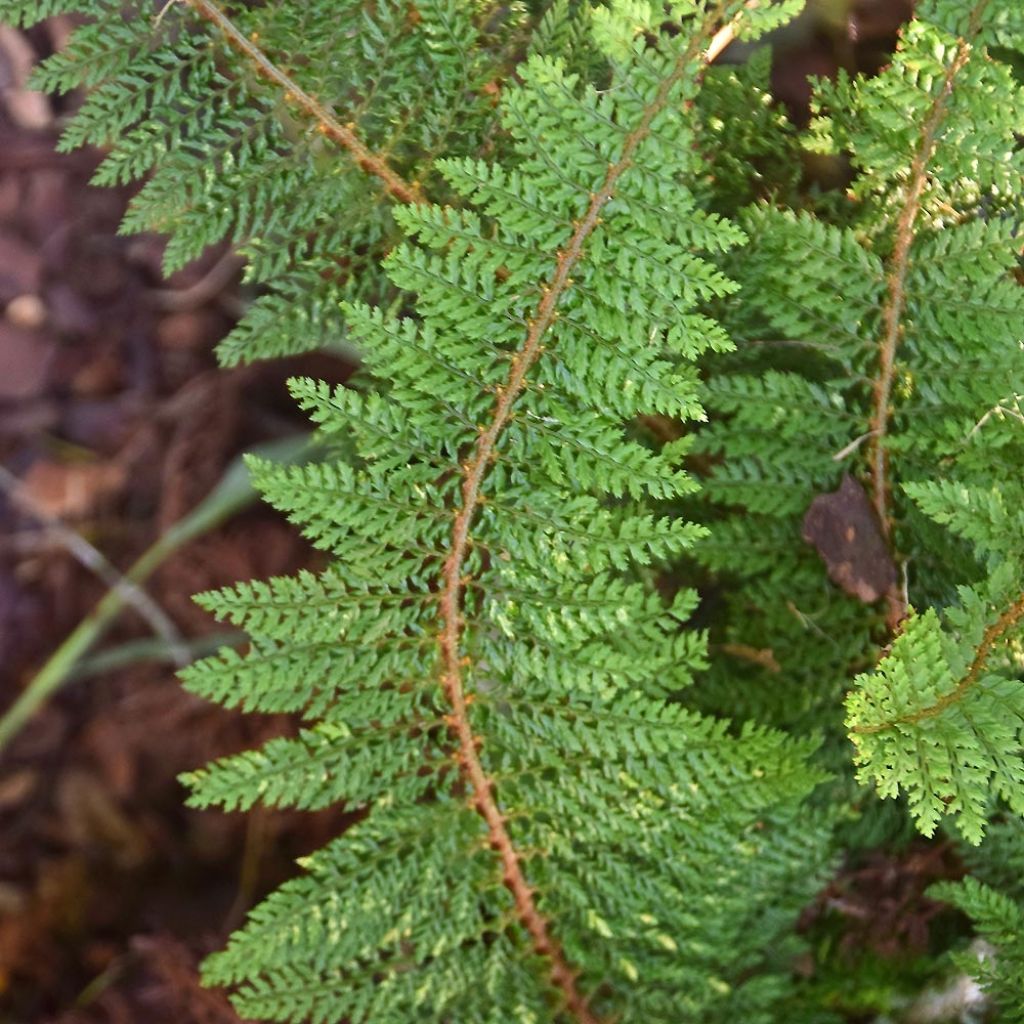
<point x="942" y="716"/>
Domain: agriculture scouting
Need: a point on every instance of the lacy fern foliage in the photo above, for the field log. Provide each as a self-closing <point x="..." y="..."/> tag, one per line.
<point x="905" y="377"/>
<point x="483" y="665"/>
<point x="999" y="966"/>
<point x="943" y="714"/>
<point x="616" y="352"/>
<point x="286" y="129"/>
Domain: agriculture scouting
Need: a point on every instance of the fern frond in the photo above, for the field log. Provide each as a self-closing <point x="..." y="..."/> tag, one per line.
<point x="887" y="337"/>
<point x="942" y="715"/>
<point x="937" y="165"/>
<point x="486" y="644"/>
<point x="286" y="130"/>
<point x="941" y="718"/>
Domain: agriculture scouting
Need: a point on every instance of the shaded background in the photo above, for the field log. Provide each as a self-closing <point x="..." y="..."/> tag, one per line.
<point x="117" y="422"/>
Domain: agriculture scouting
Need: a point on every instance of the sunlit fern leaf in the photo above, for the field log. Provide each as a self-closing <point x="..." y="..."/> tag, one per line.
<point x="942" y="717"/>
<point x="565" y="650"/>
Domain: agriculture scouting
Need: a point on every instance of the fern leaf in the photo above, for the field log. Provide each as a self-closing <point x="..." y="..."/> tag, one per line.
<point x="941" y="717"/>
<point x="1000" y="921"/>
<point x="237" y="115"/>
<point x="488" y="605"/>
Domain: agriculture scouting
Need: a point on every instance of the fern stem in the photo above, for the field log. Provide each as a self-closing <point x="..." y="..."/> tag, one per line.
<point x="989" y="639"/>
<point x="562" y="975"/>
<point x="327" y="122"/>
<point x="895" y="304"/>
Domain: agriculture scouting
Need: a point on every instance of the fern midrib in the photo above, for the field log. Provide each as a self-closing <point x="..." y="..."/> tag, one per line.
<point x="344" y="135"/>
<point x="895" y="304"/>
<point x="992" y="636"/>
<point x="562" y="975"/>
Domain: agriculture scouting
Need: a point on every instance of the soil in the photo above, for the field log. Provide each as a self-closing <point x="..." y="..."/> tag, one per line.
<point x="116" y="422"/>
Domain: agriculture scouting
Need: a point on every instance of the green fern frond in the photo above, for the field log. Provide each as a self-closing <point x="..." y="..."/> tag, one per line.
<point x="941" y="717"/>
<point x="614" y="347"/>
<point x="485" y="661"/>
<point x="879" y="340"/>
<point x="983" y="516"/>
<point x="287" y="130"/>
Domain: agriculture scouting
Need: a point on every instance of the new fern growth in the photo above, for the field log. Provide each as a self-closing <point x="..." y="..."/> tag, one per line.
<point x="557" y="235"/>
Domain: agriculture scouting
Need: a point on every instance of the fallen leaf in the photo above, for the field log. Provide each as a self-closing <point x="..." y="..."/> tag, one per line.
<point x="27" y="108"/>
<point x="71" y="490"/>
<point x="844" y="529"/>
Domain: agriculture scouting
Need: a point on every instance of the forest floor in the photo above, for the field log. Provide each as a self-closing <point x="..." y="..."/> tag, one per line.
<point x="114" y="423"/>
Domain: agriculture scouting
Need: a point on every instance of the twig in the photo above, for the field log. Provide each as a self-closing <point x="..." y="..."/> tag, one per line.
<point x="57" y="669"/>
<point x="999" y="411"/>
<point x="852" y="446"/>
<point x="159" y="17"/>
<point x="94" y="560"/>
<point x="178" y="300"/>
<point x="149" y="649"/>
<point x="726" y="36"/>
<point x="233" y="493"/>
<point x="763" y="656"/>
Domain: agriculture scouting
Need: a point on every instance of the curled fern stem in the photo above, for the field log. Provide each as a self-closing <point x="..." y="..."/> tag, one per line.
<point x="327" y="122"/>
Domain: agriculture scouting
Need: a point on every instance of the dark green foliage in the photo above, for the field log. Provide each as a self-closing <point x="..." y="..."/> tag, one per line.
<point x="227" y="155"/>
<point x="917" y="267"/>
<point x="922" y="264"/>
<point x="614" y="346"/>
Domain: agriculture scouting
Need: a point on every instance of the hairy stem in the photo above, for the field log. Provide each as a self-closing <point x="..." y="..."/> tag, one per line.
<point x="895" y="303"/>
<point x="990" y="638"/>
<point x="562" y="974"/>
<point x="327" y="122"/>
